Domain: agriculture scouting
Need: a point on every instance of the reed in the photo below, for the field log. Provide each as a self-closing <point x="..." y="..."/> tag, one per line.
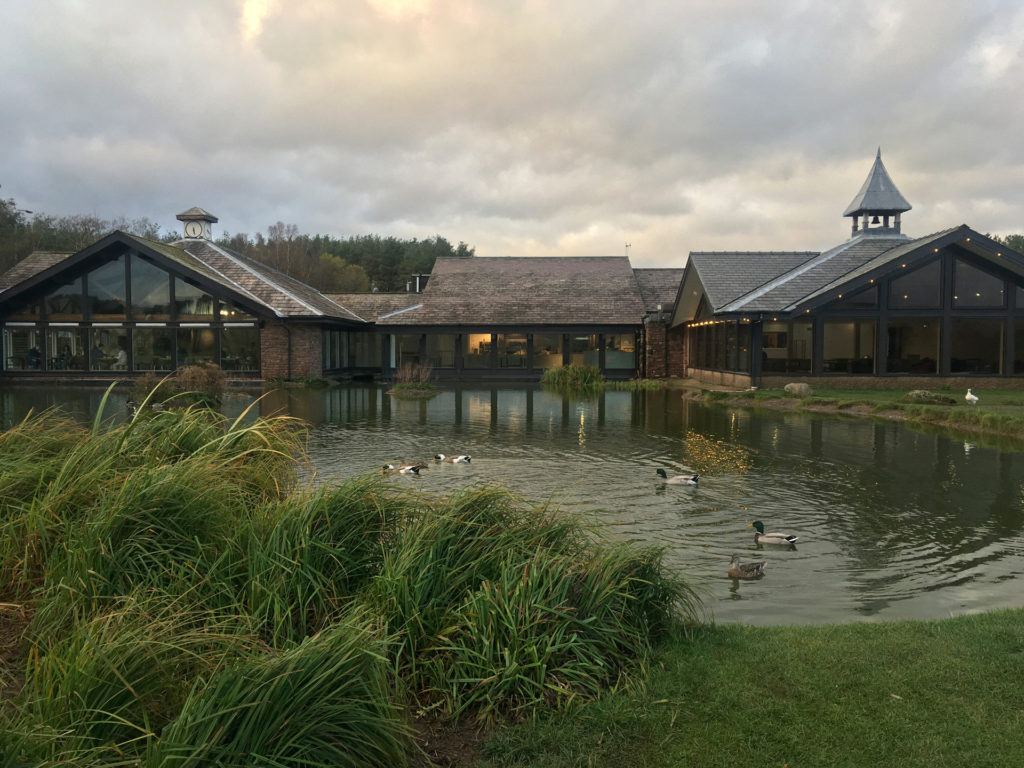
<point x="573" y="379"/>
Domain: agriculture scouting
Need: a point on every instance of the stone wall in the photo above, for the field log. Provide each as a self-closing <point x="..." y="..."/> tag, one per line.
<point x="306" y="355"/>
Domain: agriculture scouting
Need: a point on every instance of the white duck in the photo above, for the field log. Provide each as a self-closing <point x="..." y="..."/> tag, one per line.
<point x="404" y="468"/>
<point x="971" y="398"/>
<point x="678" y="479"/>
<point x="462" y="459"/>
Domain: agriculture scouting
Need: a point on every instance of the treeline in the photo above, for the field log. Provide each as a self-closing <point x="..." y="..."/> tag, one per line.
<point x="331" y="265"/>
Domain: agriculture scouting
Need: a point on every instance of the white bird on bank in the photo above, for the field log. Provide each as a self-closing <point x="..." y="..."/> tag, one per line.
<point x="971" y="398"/>
<point x="678" y="479"/>
<point x="463" y="459"/>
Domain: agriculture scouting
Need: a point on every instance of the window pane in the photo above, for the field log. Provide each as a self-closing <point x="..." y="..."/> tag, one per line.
<point x="866" y="299"/>
<point x="849" y="346"/>
<point x="976" y="345"/>
<point x="405" y="349"/>
<point x="918" y="289"/>
<point x="476" y="350"/>
<point x="441" y="350"/>
<point x="196" y="346"/>
<point x="22" y="349"/>
<point x="24" y="312"/>
<point x="239" y="349"/>
<point x="743" y="341"/>
<point x="913" y="345"/>
<point x="66" y="349"/>
<point x="365" y="349"/>
<point x="230" y="313"/>
<point x="547" y="350"/>
<point x="1018" y="346"/>
<point x="583" y="350"/>
<point x="786" y="347"/>
<point x="190" y="302"/>
<point x="975" y="288"/>
<point x="152" y="347"/>
<point x="107" y="290"/>
<point x="108" y="349"/>
<point x="511" y="350"/>
<point x="64" y="302"/>
<point x="151" y="291"/>
<point x="620" y="350"/>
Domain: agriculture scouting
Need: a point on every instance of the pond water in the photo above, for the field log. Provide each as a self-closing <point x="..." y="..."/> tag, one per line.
<point x="893" y="522"/>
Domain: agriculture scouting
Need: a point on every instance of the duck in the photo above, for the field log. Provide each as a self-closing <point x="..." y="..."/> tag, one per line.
<point x="403" y="468"/>
<point x="678" y="479"/>
<point x="461" y="459"/>
<point x="971" y="398"/>
<point x="760" y="537"/>
<point x="738" y="570"/>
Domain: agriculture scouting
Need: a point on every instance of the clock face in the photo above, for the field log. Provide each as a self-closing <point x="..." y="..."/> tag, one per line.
<point x="193" y="229"/>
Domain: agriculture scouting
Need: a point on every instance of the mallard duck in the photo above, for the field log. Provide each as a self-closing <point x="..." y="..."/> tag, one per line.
<point x="971" y="398"/>
<point x="760" y="537"/>
<point x="463" y="459"/>
<point x="738" y="570"/>
<point x="403" y="468"/>
<point x="678" y="479"/>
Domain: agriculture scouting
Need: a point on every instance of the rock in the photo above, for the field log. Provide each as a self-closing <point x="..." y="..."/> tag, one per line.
<point x="799" y="389"/>
<point x="926" y="397"/>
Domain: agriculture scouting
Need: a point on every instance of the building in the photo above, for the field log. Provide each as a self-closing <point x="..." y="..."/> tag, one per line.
<point x="881" y="309"/>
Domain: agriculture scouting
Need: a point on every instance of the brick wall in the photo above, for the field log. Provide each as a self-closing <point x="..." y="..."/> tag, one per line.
<point x="676" y="342"/>
<point x="654" y="350"/>
<point x="306" y="351"/>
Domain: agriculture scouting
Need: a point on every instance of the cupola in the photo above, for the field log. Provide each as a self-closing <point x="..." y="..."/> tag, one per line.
<point x="198" y="223"/>
<point x="877" y="207"/>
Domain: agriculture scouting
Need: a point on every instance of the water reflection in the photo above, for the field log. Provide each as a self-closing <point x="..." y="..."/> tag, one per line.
<point x="893" y="522"/>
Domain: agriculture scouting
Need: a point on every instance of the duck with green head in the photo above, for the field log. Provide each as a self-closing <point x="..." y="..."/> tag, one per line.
<point x="760" y="537"/>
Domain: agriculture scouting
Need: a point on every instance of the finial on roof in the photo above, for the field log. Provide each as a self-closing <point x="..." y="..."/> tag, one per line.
<point x="877" y="201"/>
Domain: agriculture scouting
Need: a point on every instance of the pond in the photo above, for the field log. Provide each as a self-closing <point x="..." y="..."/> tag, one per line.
<point x="893" y="522"/>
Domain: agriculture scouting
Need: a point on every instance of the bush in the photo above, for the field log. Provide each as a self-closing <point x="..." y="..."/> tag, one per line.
<point x="573" y="379"/>
<point x="204" y="382"/>
<point x="412" y="377"/>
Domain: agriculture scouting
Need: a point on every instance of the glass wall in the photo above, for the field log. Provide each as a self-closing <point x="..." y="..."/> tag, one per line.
<point x="1018" y="344"/>
<point x="152" y="348"/>
<point x="786" y="346"/>
<point x="191" y="302"/>
<point x="22" y="349"/>
<point x="106" y="290"/>
<point x="240" y="348"/>
<point x="511" y="350"/>
<point x="975" y="288"/>
<point x="441" y="350"/>
<point x="620" y="351"/>
<point x="196" y="346"/>
<point x="719" y="345"/>
<point x="335" y="349"/>
<point x="849" y="346"/>
<point x="108" y="349"/>
<point x="476" y="350"/>
<point x="918" y="289"/>
<point x="547" y="350"/>
<point x="976" y="345"/>
<point x="151" y="291"/>
<point x="583" y="350"/>
<point x="66" y="349"/>
<point x="913" y="345"/>
<point x="405" y="349"/>
<point x="365" y="349"/>
<point x="64" y="303"/>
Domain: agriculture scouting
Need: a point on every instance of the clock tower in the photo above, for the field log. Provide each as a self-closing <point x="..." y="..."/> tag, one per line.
<point x="198" y="223"/>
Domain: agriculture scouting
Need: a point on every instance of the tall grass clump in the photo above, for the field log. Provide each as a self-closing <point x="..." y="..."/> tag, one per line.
<point x="413" y="380"/>
<point x="636" y="385"/>
<point x="573" y="379"/>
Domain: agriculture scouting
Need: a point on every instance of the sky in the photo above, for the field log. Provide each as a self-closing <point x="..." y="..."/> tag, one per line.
<point x="522" y="128"/>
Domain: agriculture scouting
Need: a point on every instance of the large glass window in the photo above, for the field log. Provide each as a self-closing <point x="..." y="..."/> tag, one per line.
<point x="196" y="346"/>
<point x="232" y="313"/>
<point x="152" y="349"/>
<point x="65" y="301"/>
<point x="66" y="349"/>
<point x="511" y="350"/>
<point x="975" y="288"/>
<point x="239" y="348"/>
<point x="476" y="350"/>
<point x="107" y="294"/>
<point x="620" y="351"/>
<point x="335" y="349"/>
<point x="547" y="350"/>
<point x="108" y="349"/>
<point x="24" y="311"/>
<point x="365" y="348"/>
<point x="849" y="346"/>
<point x="405" y="349"/>
<point x="583" y="350"/>
<point x="190" y="302"/>
<point x="1018" y="345"/>
<point x="151" y="291"/>
<point x="786" y="346"/>
<point x="22" y="349"/>
<point x="865" y="299"/>
<point x="441" y="350"/>
<point x="743" y="335"/>
<point x="913" y="345"/>
<point x="976" y="345"/>
<point x="919" y="289"/>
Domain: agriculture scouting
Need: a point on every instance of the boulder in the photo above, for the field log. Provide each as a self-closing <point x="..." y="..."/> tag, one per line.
<point x="798" y="389"/>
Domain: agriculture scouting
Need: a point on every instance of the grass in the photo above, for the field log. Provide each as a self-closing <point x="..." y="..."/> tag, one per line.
<point x="191" y="606"/>
<point x="912" y="694"/>
<point x="587" y="380"/>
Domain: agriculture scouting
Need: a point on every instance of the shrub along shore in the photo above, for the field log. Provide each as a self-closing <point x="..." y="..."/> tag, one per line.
<point x="183" y="603"/>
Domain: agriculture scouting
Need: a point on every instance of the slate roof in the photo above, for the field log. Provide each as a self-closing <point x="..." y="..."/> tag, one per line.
<point x="31" y="265"/>
<point x="597" y="290"/>
<point x="728" y="275"/>
<point x="658" y="286"/>
<point x="284" y="295"/>
<point x="370" y="306"/>
<point x="878" y="194"/>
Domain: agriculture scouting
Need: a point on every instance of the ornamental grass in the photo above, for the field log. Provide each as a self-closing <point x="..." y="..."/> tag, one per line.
<point x="191" y="606"/>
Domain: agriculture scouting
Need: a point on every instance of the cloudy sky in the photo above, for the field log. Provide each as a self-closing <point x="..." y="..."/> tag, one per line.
<point x="522" y="127"/>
